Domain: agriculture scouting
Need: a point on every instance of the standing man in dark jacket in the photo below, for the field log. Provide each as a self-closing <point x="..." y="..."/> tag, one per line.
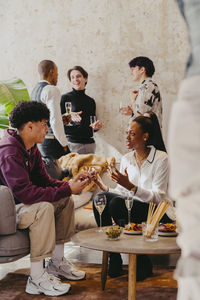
<point x="43" y="204"/>
<point x="80" y="135"/>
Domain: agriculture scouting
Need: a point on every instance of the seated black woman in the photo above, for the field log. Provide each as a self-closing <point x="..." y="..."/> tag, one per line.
<point x="144" y="172"/>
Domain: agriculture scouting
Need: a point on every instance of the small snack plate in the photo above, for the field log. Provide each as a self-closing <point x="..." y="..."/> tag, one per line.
<point x="132" y="231"/>
<point x="167" y="233"/>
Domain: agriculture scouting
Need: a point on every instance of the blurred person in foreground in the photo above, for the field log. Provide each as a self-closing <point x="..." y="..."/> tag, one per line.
<point x="43" y="205"/>
<point x="184" y="149"/>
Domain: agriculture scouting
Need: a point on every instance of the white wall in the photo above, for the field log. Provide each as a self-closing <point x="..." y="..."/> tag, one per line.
<point x="102" y="36"/>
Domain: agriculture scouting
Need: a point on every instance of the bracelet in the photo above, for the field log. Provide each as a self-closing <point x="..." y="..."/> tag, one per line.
<point x="134" y="189"/>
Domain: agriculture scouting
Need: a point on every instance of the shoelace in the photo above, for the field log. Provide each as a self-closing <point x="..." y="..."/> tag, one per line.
<point x="53" y="278"/>
<point x="67" y="262"/>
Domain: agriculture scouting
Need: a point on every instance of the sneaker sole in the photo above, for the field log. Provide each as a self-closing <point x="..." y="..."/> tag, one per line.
<point x="71" y="279"/>
<point x="67" y="278"/>
<point x="37" y="292"/>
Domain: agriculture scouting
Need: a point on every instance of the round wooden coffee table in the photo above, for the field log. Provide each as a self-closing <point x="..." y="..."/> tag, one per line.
<point x="129" y="244"/>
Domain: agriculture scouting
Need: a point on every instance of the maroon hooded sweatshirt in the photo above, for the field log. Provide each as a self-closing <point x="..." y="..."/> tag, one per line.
<point x="24" y="173"/>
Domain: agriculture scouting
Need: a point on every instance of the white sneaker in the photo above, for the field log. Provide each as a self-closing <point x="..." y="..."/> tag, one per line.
<point x="65" y="269"/>
<point x="47" y="284"/>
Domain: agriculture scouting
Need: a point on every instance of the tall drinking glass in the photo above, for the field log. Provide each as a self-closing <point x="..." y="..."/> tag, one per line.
<point x="68" y="109"/>
<point x="122" y="107"/>
<point x="129" y="204"/>
<point x="93" y="119"/>
<point x="100" y="203"/>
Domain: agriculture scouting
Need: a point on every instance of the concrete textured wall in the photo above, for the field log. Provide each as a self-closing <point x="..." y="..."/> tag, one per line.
<point x="102" y="36"/>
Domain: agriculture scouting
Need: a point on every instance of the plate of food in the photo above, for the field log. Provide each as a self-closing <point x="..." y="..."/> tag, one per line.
<point x="133" y="229"/>
<point x="168" y="229"/>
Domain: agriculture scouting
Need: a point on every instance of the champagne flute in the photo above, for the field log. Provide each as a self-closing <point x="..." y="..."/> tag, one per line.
<point x="93" y="119"/>
<point x="122" y="105"/>
<point x="100" y="203"/>
<point x="129" y="204"/>
<point x="68" y="109"/>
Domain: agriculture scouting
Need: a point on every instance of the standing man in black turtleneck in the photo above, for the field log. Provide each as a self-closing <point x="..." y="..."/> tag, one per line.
<point x="80" y="134"/>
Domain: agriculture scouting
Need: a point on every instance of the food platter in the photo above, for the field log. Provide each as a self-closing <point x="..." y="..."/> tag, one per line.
<point x="132" y="231"/>
<point x="170" y="233"/>
<point x="135" y="229"/>
<point x="167" y="229"/>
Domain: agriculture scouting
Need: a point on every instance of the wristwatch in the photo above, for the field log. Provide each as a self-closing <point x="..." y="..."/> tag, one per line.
<point x="134" y="189"/>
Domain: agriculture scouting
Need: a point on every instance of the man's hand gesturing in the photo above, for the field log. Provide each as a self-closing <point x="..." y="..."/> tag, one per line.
<point x="79" y="182"/>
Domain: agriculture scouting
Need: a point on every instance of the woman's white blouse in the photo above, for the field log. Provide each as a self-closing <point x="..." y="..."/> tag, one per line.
<point x="151" y="178"/>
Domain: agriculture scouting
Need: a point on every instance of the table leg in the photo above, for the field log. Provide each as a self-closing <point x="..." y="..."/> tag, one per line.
<point x="104" y="269"/>
<point x="132" y="277"/>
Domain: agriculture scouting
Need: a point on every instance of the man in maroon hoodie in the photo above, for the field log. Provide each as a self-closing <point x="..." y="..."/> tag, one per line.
<point x="43" y="204"/>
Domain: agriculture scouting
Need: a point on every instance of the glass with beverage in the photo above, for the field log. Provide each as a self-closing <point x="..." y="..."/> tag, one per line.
<point x="93" y="119"/>
<point x="100" y="203"/>
<point x="68" y="109"/>
<point x="129" y="204"/>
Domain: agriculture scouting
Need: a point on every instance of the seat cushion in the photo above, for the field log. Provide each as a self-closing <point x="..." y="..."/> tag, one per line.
<point x="14" y="245"/>
<point x="83" y="199"/>
<point x="84" y="219"/>
<point x="7" y="211"/>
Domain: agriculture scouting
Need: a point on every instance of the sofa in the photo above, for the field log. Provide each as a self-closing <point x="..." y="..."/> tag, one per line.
<point x="14" y="243"/>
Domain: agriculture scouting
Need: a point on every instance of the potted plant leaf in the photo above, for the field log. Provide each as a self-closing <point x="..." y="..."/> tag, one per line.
<point x="11" y="92"/>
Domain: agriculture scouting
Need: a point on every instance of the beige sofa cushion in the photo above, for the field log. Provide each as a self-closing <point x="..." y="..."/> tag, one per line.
<point x="7" y="211"/>
<point x="81" y="200"/>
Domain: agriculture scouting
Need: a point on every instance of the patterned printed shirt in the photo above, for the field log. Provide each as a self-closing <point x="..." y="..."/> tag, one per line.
<point x="149" y="99"/>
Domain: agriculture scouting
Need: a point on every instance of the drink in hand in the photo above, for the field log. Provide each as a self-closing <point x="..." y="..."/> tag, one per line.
<point x="68" y="107"/>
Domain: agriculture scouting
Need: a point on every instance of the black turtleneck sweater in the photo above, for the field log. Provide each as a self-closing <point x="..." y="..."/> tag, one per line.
<point x="79" y="132"/>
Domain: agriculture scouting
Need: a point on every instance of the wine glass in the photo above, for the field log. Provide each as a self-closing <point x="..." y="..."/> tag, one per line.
<point x="100" y="203"/>
<point x="122" y="105"/>
<point x="93" y="119"/>
<point x="129" y="204"/>
<point x="68" y="109"/>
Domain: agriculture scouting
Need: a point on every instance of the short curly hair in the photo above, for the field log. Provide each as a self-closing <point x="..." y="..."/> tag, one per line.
<point x="143" y="61"/>
<point x="26" y="111"/>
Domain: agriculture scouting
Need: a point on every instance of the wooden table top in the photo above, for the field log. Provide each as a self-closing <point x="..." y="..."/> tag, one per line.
<point x="126" y="244"/>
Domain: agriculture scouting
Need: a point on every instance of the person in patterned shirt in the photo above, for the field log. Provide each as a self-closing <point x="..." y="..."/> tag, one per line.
<point x="147" y="97"/>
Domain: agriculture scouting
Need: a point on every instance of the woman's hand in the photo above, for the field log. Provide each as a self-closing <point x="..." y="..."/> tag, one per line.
<point x="94" y="175"/>
<point x="120" y="178"/>
<point x="96" y="125"/>
<point x="75" y="116"/>
<point x="126" y="111"/>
